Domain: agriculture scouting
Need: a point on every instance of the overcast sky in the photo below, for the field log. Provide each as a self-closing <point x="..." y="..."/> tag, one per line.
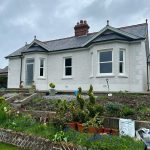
<point x="20" y="20"/>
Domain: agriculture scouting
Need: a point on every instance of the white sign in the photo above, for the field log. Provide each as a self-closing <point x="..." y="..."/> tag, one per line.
<point x="127" y="127"/>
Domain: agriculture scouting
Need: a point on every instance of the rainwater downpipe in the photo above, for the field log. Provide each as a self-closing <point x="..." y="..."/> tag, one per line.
<point x="148" y="73"/>
<point x="21" y="69"/>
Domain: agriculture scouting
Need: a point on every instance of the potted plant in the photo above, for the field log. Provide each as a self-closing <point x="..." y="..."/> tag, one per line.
<point x="95" y="124"/>
<point x="69" y="120"/>
<point x="82" y="118"/>
<point x="52" y="90"/>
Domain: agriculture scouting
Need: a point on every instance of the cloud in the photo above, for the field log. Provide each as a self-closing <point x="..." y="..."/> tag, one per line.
<point x="21" y="20"/>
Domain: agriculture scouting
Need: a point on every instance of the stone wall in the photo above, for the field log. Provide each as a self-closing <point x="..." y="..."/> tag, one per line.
<point x="112" y="122"/>
<point x="31" y="142"/>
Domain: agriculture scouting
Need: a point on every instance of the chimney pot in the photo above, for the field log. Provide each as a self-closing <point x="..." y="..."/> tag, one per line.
<point x="81" y="21"/>
<point x="85" y="22"/>
<point x="81" y="28"/>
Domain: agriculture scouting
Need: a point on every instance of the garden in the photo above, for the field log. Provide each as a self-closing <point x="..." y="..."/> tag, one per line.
<point x="122" y="104"/>
<point x="79" y="121"/>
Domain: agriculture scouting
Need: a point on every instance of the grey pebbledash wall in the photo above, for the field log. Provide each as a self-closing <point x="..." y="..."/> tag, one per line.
<point x="30" y="142"/>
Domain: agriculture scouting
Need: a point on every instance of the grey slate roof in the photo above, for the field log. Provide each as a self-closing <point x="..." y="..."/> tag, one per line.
<point x="4" y="70"/>
<point x="139" y="31"/>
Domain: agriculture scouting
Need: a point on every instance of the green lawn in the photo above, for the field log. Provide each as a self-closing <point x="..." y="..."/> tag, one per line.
<point x="4" y="146"/>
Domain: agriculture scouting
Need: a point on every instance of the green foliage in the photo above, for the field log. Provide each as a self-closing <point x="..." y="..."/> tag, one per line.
<point x="96" y="121"/>
<point x="95" y="109"/>
<point x="82" y="116"/>
<point x="113" y="108"/>
<point x="2" y="100"/>
<point x="59" y="137"/>
<point x="103" y="142"/>
<point x="4" y="110"/>
<point x="20" y="122"/>
<point x="4" y="146"/>
<point x="80" y="100"/>
<point x="91" y="95"/>
<point x="52" y="85"/>
<point x="126" y="111"/>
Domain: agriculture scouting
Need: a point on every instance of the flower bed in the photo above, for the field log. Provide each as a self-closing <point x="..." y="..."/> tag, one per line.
<point x="18" y="122"/>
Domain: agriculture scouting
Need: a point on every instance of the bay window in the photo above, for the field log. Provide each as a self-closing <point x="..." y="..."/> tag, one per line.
<point x="105" y="62"/>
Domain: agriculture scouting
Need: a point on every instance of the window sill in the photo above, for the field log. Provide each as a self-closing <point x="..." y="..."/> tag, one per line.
<point x="41" y="78"/>
<point x="69" y="77"/>
<point x="122" y="76"/>
<point x="105" y="75"/>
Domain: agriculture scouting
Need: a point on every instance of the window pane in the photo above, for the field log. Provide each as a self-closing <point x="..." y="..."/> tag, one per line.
<point x="41" y="62"/>
<point x="121" y="67"/>
<point x="106" y="56"/>
<point x="105" y="67"/>
<point x="121" y="55"/>
<point x="41" y="71"/>
<point x="68" y="62"/>
<point x="68" y="71"/>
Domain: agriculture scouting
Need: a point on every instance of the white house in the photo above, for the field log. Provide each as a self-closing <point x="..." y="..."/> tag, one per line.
<point x="117" y="56"/>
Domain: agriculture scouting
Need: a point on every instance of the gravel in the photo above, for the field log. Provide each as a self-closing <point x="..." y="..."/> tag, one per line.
<point x="62" y="97"/>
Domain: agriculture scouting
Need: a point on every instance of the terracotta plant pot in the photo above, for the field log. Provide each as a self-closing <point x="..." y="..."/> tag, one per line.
<point x="93" y="130"/>
<point x="72" y="125"/>
<point x="101" y="130"/>
<point x="114" y="132"/>
<point x="107" y="130"/>
<point x="80" y="127"/>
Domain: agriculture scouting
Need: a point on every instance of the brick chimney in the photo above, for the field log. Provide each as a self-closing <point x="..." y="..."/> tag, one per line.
<point x="81" y="28"/>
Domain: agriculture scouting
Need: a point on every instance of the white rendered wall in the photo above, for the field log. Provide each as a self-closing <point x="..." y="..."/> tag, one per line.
<point x="14" y="73"/>
<point x="133" y="80"/>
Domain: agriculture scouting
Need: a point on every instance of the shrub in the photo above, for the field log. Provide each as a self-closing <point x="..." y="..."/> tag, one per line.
<point x="126" y="111"/>
<point x="113" y="108"/>
<point x="2" y="99"/>
<point x="82" y="116"/>
<point x="52" y="85"/>
<point x="91" y="95"/>
<point x="99" y="109"/>
<point x="59" y="137"/>
<point x="95" y="109"/>
<point x="80" y="100"/>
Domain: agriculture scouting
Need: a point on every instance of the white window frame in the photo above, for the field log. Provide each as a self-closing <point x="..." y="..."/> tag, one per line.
<point x="64" y="67"/>
<point x="105" y="74"/>
<point x="123" y="62"/>
<point x="42" y="67"/>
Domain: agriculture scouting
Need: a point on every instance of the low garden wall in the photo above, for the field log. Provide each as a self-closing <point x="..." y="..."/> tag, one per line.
<point x="112" y="122"/>
<point x="30" y="142"/>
